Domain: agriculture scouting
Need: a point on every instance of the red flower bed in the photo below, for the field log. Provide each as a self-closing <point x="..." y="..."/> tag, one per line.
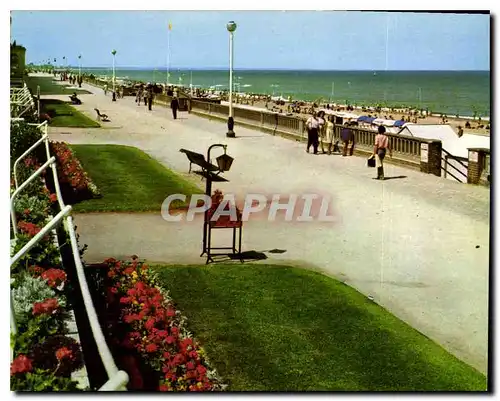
<point x="76" y="185"/>
<point x="47" y="307"/>
<point x="146" y="323"/>
<point x="22" y="364"/>
<point x="55" y="277"/>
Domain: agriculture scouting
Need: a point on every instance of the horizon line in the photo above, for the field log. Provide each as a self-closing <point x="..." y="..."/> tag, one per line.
<point x="173" y="70"/>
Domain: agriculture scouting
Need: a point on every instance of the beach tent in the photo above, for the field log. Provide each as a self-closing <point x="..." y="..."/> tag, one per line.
<point x="366" y="119"/>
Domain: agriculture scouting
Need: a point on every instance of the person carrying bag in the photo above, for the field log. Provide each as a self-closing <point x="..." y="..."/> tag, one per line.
<point x="382" y="144"/>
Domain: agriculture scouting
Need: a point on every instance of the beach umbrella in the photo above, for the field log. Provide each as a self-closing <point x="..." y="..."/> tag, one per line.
<point x="366" y="119"/>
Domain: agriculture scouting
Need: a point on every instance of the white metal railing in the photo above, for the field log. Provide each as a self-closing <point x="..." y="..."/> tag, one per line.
<point x="21" y="101"/>
<point x="117" y="379"/>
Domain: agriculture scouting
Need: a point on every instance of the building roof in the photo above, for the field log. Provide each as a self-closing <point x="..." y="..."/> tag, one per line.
<point x="449" y="139"/>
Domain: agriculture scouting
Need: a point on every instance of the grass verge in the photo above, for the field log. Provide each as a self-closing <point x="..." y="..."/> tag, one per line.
<point x="128" y="179"/>
<point x="64" y="115"/>
<point x="275" y="328"/>
<point x="48" y="86"/>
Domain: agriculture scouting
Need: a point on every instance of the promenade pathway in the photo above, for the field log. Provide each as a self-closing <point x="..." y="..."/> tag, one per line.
<point x="419" y="244"/>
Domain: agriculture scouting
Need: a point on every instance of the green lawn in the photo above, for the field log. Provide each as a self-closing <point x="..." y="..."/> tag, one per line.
<point x="49" y="87"/>
<point x="128" y="179"/>
<point x="275" y="328"/>
<point x="64" y="115"/>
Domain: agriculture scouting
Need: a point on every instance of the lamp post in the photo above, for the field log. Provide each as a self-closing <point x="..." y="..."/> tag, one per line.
<point x="231" y="27"/>
<point x="80" y="65"/>
<point x="114" y="92"/>
<point x="224" y="164"/>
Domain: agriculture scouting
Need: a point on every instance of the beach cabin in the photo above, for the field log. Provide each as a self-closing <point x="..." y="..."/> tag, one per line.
<point x="454" y="158"/>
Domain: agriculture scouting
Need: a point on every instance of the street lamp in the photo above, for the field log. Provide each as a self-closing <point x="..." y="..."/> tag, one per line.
<point x="231" y="27"/>
<point x="79" y="66"/>
<point x="114" y="93"/>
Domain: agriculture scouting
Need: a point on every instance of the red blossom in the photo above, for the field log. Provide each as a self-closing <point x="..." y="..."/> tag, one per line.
<point x="151" y="348"/>
<point x="21" y="364"/>
<point x="53" y="198"/>
<point x="26" y="212"/>
<point x="54" y="277"/>
<point x="36" y="271"/>
<point x="170" y="340"/>
<point x="64" y="352"/>
<point x="164" y="387"/>
<point x="49" y="306"/>
<point x="150" y="324"/>
<point x="190" y="365"/>
<point x="28" y="228"/>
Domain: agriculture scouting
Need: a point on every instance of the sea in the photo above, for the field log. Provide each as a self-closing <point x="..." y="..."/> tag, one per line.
<point x="463" y="93"/>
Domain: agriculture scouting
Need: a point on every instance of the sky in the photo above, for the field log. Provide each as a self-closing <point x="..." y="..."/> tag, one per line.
<point x="322" y="40"/>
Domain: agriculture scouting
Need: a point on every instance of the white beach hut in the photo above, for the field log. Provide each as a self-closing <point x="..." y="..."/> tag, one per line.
<point x="455" y="150"/>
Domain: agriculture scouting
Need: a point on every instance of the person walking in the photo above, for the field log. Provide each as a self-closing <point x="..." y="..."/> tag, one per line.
<point x="347" y="136"/>
<point x="150" y="98"/>
<point x="382" y="145"/>
<point x="105" y="89"/>
<point x="174" y="105"/>
<point x="313" y="125"/>
<point x="138" y="97"/>
<point x="322" y="130"/>
<point x="329" y="133"/>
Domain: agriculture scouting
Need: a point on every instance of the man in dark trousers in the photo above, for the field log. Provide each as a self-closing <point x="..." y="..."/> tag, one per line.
<point x="174" y="105"/>
<point x="150" y="98"/>
<point x="347" y="136"/>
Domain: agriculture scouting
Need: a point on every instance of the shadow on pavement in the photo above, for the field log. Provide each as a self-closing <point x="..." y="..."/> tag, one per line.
<point x="392" y="178"/>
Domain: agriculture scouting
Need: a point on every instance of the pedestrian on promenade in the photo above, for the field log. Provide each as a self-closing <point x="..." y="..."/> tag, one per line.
<point x="329" y="133"/>
<point x="347" y="136"/>
<point x="174" y="105"/>
<point x="313" y="125"/>
<point x="150" y="98"/>
<point x="105" y="89"/>
<point x="382" y="145"/>
<point x="138" y="97"/>
<point x="322" y="130"/>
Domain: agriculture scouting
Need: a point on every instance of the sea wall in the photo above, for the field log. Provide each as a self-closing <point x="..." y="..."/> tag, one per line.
<point x="406" y="150"/>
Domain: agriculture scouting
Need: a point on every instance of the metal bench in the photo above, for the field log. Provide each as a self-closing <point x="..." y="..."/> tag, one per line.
<point x="100" y="116"/>
<point x="199" y="160"/>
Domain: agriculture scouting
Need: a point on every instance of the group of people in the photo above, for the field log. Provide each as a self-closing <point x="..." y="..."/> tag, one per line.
<point x="321" y="131"/>
<point x="147" y="93"/>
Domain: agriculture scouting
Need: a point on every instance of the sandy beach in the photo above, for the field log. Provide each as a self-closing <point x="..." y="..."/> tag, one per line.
<point x="454" y="122"/>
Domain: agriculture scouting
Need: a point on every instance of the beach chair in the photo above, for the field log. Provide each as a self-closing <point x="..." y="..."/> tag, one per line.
<point x="101" y="117"/>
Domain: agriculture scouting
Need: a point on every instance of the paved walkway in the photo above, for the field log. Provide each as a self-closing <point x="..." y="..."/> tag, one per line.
<point x="419" y="245"/>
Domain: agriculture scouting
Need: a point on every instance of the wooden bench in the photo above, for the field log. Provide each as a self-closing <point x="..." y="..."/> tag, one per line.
<point x="199" y="160"/>
<point x="101" y="116"/>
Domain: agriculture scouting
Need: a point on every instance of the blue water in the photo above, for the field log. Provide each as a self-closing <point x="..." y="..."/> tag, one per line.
<point x="451" y="92"/>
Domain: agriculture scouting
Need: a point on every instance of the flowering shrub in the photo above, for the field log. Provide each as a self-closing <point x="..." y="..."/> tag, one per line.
<point x="145" y="321"/>
<point x="59" y="354"/>
<point x="22" y="137"/>
<point x="44" y="356"/>
<point x="31" y="209"/>
<point x="55" y="278"/>
<point x="26" y="292"/>
<point x="71" y="173"/>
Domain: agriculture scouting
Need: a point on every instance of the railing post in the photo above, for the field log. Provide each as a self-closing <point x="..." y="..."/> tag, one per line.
<point x="477" y="158"/>
<point x="38" y="100"/>
<point x="430" y="157"/>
